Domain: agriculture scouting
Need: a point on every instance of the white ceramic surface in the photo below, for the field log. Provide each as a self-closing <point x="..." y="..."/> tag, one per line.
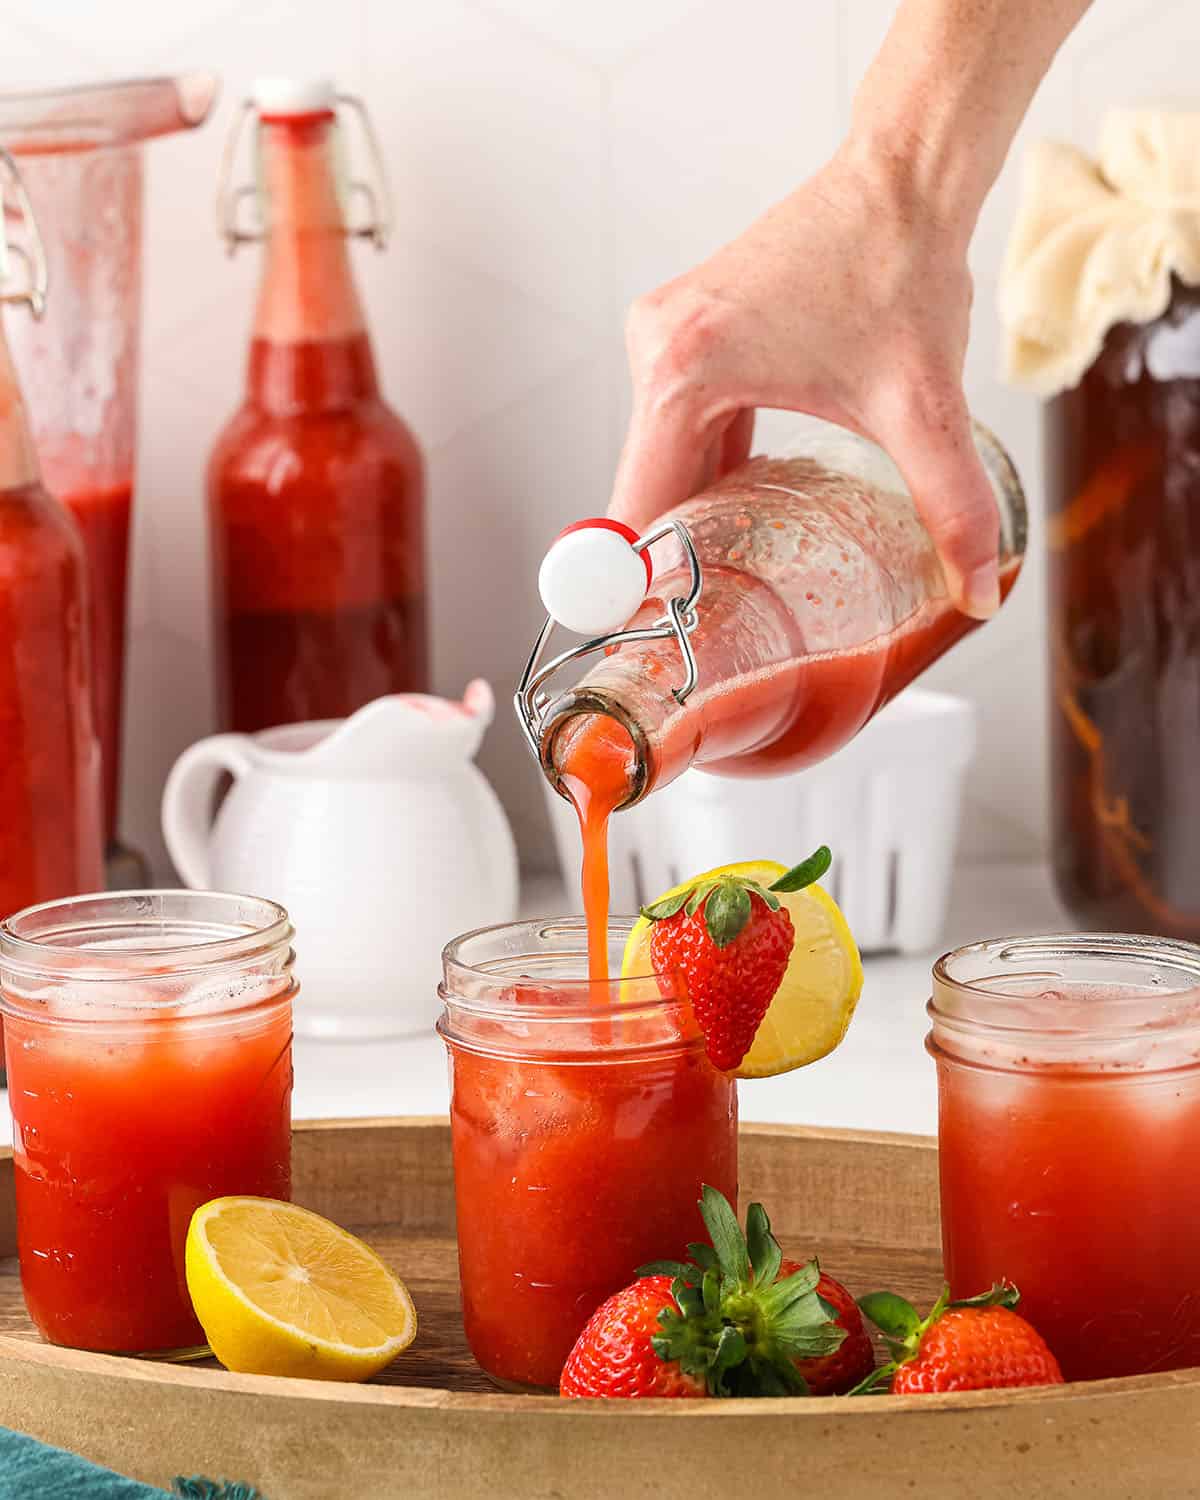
<point x="378" y="833"/>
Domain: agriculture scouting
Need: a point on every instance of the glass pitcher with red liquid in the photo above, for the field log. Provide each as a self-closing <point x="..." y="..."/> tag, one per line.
<point x="786" y="605"/>
<point x="50" y="808"/>
<point x="80" y="153"/>
<point x="316" y="487"/>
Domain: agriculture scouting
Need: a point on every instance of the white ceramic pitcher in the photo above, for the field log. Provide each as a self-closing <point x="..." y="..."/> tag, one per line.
<point x="377" y="833"/>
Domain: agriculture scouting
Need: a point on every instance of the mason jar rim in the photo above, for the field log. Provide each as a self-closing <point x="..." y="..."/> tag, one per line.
<point x="464" y="970"/>
<point x="231" y="930"/>
<point x="512" y="1006"/>
<point x="978" y="1008"/>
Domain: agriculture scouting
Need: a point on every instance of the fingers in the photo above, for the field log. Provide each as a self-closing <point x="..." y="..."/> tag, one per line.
<point x="662" y="464"/>
<point x="736" y="440"/>
<point x="678" y="339"/>
<point x="932" y="447"/>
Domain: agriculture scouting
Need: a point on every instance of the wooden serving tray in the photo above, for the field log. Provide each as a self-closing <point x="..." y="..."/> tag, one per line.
<point x="433" y="1429"/>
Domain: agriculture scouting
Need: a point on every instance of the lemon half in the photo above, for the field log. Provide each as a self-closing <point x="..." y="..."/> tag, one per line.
<point x="281" y="1291"/>
<point x="813" y="1005"/>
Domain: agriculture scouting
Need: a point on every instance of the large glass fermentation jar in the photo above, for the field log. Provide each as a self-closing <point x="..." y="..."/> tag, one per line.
<point x="149" y="1042"/>
<point x="1123" y="496"/>
<point x="585" y="1118"/>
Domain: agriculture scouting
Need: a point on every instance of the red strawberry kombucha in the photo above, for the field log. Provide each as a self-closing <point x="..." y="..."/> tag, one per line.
<point x="1068" y="1130"/>
<point x="583" y="1130"/>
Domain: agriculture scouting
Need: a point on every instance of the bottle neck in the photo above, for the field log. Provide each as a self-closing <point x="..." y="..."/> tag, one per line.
<point x="307" y="296"/>
<point x="18" y="456"/>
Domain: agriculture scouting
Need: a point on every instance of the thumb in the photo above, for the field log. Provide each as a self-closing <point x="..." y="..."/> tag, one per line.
<point x="956" y="502"/>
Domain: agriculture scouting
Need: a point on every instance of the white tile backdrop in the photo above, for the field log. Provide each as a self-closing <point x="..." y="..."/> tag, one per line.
<point x="550" y="159"/>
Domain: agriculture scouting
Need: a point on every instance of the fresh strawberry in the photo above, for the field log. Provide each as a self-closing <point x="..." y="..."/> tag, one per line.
<point x="835" y="1374"/>
<point x="971" y="1345"/>
<point x="713" y="1326"/>
<point x="730" y="940"/>
<point x="614" y="1355"/>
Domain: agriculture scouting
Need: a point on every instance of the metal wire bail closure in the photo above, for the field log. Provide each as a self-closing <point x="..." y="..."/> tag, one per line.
<point x="531" y="700"/>
<point x="376" y="227"/>
<point x="30" y="252"/>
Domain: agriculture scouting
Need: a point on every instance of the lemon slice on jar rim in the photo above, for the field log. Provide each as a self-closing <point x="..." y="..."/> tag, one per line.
<point x="279" y="1290"/>
<point x="812" y="1007"/>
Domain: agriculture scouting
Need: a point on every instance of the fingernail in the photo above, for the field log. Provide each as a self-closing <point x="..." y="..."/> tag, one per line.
<point x="981" y="592"/>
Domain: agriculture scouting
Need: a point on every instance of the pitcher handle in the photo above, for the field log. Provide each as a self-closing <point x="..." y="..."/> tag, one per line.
<point x="188" y="797"/>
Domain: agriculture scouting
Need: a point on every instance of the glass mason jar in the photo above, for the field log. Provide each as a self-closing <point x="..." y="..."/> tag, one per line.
<point x="1123" y="494"/>
<point x="149" y="1043"/>
<point x="1068" y="1128"/>
<point x="585" y="1118"/>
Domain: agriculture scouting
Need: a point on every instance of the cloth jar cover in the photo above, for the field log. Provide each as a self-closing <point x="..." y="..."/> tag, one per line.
<point x="1096" y="242"/>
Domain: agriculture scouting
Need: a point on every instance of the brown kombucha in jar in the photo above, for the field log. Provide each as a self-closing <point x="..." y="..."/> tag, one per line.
<point x="1123" y="535"/>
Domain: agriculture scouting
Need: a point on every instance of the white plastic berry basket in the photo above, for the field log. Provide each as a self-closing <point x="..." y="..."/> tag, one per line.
<point x="887" y="805"/>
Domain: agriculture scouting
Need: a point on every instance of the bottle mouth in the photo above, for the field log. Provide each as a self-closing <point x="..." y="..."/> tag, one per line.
<point x="589" y="737"/>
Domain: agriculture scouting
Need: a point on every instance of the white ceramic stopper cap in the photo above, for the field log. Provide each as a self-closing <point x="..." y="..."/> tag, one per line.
<point x="592" y="580"/>
<point x="294" y="96"/>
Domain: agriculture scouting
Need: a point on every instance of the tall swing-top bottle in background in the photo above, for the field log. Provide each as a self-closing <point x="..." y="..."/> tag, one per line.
<point x="316" y="488"/>
<point x="50" y="791"/>
<point x="80" y="151"/>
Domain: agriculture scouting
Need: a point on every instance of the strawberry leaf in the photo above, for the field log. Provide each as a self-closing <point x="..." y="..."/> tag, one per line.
<point x="667" y="907"/>
<point x="726" y="1235"/>
<point x="874" y="1384"/>
<point x="699" y="896"/>
<point x="803" y="875"/>
<point x="677" y="1270"/>
<point x="727" y="912"/>
<point x="1001" y="1294"/>
<point x="765" y="1255"/>
<point x="704" y="1256"/>
<point x="892" y="1315"/>
<point x="728" y="1355"/>
<point x="769" y="897"/>
<point x="792" y="1289"/>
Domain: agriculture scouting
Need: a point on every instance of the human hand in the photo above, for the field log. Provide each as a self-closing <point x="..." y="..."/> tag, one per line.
<point x="849" y="300"/>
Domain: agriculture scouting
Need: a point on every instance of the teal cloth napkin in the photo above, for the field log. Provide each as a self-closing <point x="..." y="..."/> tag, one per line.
<point x="30" y="1470"/>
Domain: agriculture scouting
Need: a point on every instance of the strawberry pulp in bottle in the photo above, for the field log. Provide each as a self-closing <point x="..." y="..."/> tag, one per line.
<point x="822" y="598"/>
<point x="316" y="487"/>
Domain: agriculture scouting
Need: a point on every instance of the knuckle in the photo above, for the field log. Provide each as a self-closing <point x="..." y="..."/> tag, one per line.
<point x="675" y="335"/>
